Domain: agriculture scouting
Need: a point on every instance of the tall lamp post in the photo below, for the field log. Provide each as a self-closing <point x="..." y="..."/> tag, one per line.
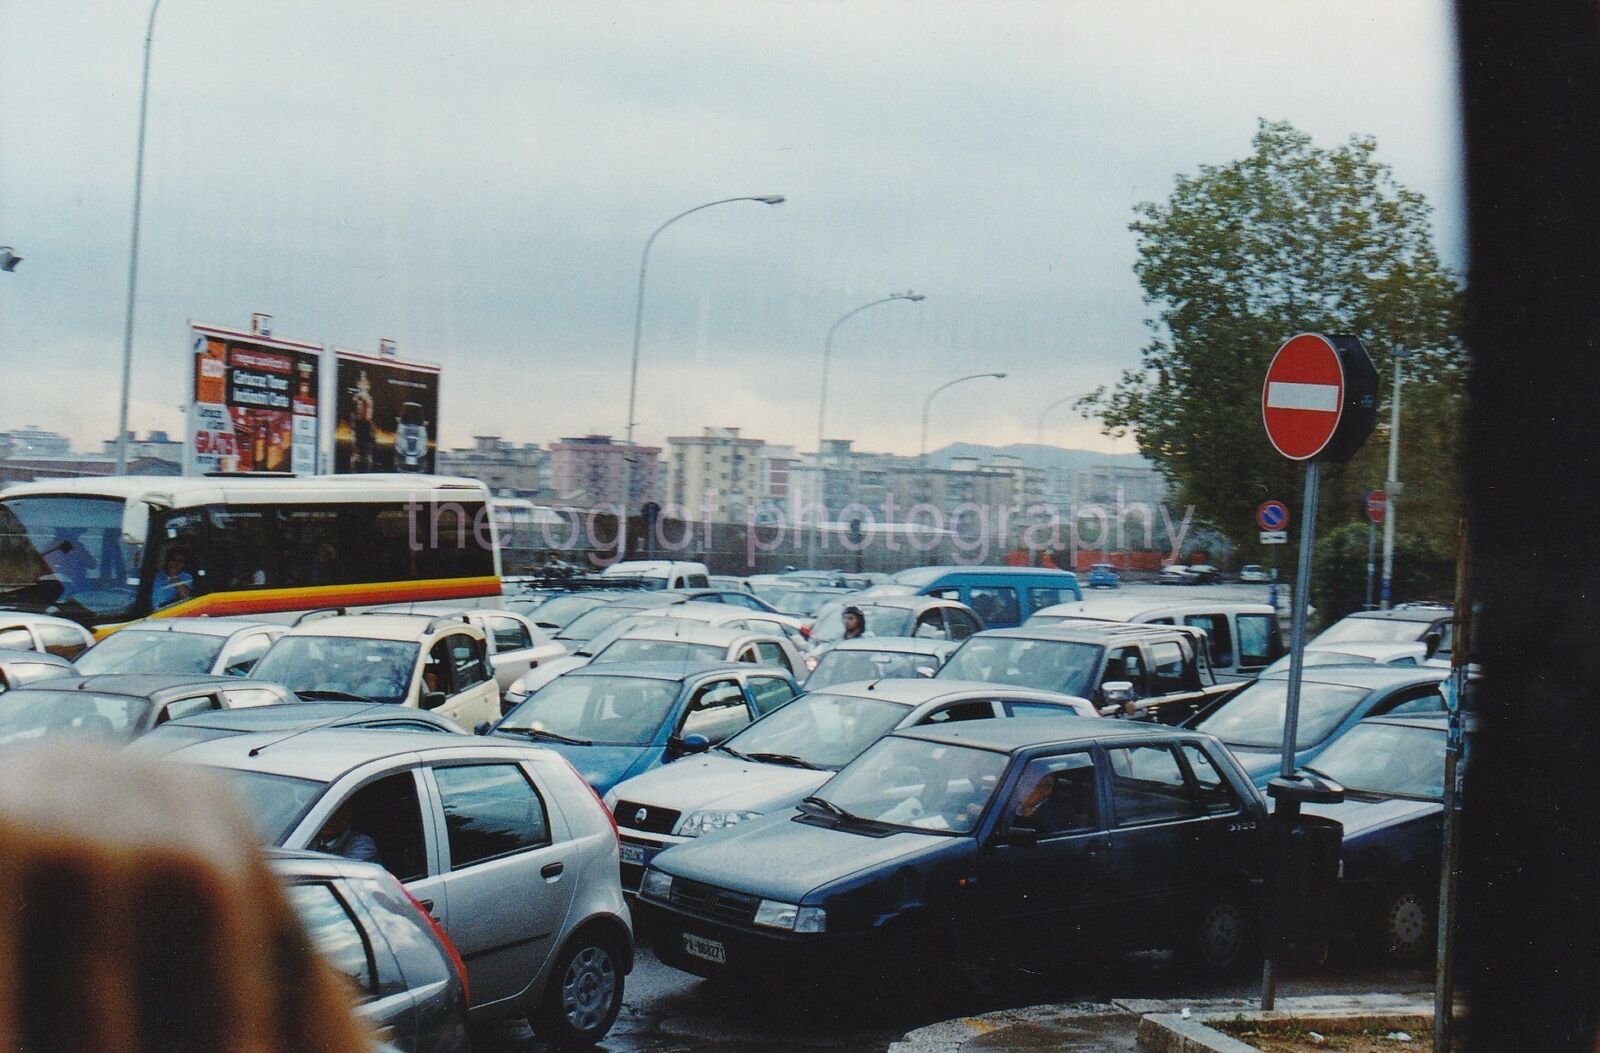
<point x="633" y="372"/>
<point x="1391" y="485"/>
<point x="1038" y="433"/>
<point x="927" y="404"/>
<point x="133" y="250"/>
<point x="822" y="401"/>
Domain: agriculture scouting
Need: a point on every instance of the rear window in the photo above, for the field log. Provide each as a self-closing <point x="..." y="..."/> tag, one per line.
<point x="1258" y="639"/>
<point x="273" y="803"/>
<point x="136" y="651"/>
<point x="660" y="651"/>
<point x="1254" y="717"/>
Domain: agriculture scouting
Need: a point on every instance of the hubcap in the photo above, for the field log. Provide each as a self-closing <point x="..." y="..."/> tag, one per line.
<point x="588" y="988"/>
<point x="1408" y="924"/>
<point x="1221" y="932"/>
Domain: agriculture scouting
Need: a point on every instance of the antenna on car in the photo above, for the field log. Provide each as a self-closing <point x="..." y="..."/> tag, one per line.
<point x="256" y="751"/>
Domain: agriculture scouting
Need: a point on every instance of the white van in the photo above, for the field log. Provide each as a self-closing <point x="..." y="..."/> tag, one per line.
<point x="661" y="573"/>
<point x="1244" y="637"/>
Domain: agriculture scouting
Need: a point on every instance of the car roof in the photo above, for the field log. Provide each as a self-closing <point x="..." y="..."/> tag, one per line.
<point x="918" y="691"/>
<point x="1121" y="608"/>
<point x="35" y="618"/>
<point x="924" y="575"/>
<point x="1431" y="721"/>
<point x="1370" y="677"/>
<point x="898" y="644"/>
<point x="287" y="863"/>
<point x="137" y="685"/>
<point x="688" y="630"/>
<point x="907" y="601"/>
<point x="1370" y="648"/>
<point x="199" y="626"/>
<point x="303" y="715"/>
<point x="1407" y="612"/>
<point x="22" y="654"/>
<point x="325" y="754"/>
<point x="663" y="670"/>
<point x="409" y="628"/>
<point x="1089" y="630"/>
<point x="1018" y="733"/>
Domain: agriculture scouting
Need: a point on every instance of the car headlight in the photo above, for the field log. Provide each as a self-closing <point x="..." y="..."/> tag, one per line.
<point x="789" y="916"/>
<point x="656" y="885"/>
<point x="610" y="801"/>
<point x="711" y="821"/>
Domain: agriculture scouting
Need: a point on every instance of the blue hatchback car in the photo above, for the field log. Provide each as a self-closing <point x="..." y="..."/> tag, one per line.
<point x="618" y="720"/>
<point x="1103" y="576"/>
<point x="1003" y="597"/>
<point x="1333" y="699"/>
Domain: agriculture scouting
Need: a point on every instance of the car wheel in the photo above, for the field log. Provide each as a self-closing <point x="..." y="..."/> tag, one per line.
<point x="1220" y="937"/>
<point x="1405" y="925"/>
<point x="585" y="992"/>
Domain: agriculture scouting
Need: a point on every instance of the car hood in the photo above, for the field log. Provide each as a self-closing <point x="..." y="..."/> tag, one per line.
<point x="717" y="780"/>
<point x="604" y="766"/>
<point x="776" y="857"/>
<point x="535" y="678"/>
<point x="1363" y="816"/>
<point x="1259" y="764"/>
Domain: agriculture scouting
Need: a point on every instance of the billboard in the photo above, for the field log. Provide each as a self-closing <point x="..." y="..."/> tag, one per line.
<point x="253" y="406"/>
<point x="386" y="414"/>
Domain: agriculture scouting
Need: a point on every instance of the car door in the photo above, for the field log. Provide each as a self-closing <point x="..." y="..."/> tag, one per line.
<point x="1126" y="664"/>
<point x="64" y="641"/>
<point x="768" y="691"/>
<point x="1174" y="678"/>
<point x="959" y="624"/>
<point x="717" y="709"/>
<point x="505" y="872"/>
<point x="511" y="650"/>
<point x="1045" y="867"/>
<point x="773" y="653"/>
<point x="1154" y="830"/>
<point x="472" y="695"/>
<point x="347" y="939"/>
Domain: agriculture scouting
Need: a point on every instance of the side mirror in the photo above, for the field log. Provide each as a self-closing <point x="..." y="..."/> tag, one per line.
<point x="135" y="522"/>
<point x="926" y="670"/>
<point x="1110" y="711"/>
<point x="482" y="728"/>
<point x="1018" y="837"/>
<point x="688" y="744"/>
<point x="1431" y="642"/>
<point x="433" y="699"/>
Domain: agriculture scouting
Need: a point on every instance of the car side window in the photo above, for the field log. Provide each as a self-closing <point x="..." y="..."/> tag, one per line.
<point x="1257" y="640"/>
<point x="1428" y="700"/>
<point x="1040" y="597"/>
<point x="930" y="626"/>
<point x="717" y="710"/>
<point x="961" y="624"/>
<point x="490" y="811"/>
<point x="1215" y="793"/>
<point x="1219" y="641"/>
<point x="950" y="593"/>
<point x="246" y="652"/>
<point x="466" y="661"/>
<point x="1166" y="668"/>
<point x="769" y="692"/>
<point x="67" y="641"/>
<point x="978" y="709"/>
<point x="436" y="673"/>
<point x="334" y="932"/>
<point x="1057" y="795"/>
<point x="747" y="653"/>
<point x="389" y="811"/>
<point x="1126" y="663"/>
<point x="17" y="638"/>
<point x="1147" y="786"/>
<point x="996" y="604"/>
<point x="188" y="707"/>
<point x="771" y="653"/>
<point x="1039" y="709"/>
<point x="509" y="635"/>
<point x="248" y="697"/>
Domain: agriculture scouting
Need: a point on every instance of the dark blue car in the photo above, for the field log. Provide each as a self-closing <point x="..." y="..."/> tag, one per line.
<point x="1332" y="700"/>
<point x="614" y="721"/>
<point x="968" y="839"/>
<point x="1392" y="769"/>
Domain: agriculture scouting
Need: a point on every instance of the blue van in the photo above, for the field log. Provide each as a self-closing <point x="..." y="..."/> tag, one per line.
<point x="1002" y="596"/>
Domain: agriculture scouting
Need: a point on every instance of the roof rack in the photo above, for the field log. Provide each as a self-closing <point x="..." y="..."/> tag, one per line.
<point x="318" y="613"/>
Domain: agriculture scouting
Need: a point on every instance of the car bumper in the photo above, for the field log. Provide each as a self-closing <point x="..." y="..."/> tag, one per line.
<point x="719" y="949"/>
<point x="637" y="851"/>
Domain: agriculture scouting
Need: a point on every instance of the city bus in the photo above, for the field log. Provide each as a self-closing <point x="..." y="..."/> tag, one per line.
<point x="111" y="550"/>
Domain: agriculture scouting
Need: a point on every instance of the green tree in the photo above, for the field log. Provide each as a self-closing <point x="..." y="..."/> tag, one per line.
<point x="1423" y="570"/>
<point x="1293" y="238"/>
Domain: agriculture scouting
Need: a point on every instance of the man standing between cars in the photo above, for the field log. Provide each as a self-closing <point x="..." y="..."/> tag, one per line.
<point x="855" y="623"/>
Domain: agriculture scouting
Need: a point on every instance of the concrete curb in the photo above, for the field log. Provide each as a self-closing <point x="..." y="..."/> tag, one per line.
<point x="1174" y="1033"/>
<point x="949" y="1036"/>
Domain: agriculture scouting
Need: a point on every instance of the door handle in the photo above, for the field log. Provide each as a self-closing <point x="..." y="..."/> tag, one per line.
<point x="1096" y="847"/>
<point x="426" y="904"/>
<point x="551" y="871"/>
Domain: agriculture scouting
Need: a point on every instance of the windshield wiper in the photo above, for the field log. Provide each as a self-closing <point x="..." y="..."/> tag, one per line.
<point x="541" y="733"/>
<point x="783" y="758"/>
<point x="834" y="810"/>
<point x="1318" y="772"/>
<point x="323" y="694"/>
<point x="730" y="751"/>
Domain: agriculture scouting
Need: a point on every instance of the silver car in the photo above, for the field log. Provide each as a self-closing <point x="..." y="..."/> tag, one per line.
<point x="219" y="646"/>
<point x="502" y="842"/>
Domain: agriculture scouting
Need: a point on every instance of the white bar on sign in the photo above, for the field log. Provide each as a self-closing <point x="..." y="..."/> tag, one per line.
<point x="1324" y="397"/>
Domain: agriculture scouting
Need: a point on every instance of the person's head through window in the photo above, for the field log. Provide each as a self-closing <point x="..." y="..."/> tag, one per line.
<point x="1033" y="799"/>
<point x="855" y="623"/>
<point x="172" y="582"/>
<point x="339" y="836"/>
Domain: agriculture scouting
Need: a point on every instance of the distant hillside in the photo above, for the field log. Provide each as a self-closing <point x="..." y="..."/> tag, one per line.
<point x="1032" y="455"/>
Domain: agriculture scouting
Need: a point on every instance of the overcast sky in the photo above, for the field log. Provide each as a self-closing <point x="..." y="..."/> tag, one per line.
<point x="476" y="178"/>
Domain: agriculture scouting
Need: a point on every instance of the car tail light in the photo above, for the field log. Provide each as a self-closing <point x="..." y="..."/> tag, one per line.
<point x="449" y="946"/>
<point x="805" y="630"/>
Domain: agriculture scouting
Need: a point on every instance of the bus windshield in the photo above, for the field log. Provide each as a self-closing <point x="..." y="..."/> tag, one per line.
<point x="65" y="555"/>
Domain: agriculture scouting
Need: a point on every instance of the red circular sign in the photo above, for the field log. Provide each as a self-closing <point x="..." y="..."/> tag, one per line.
<point x="1377" y="505"/>
<point x="1303" y="396"/>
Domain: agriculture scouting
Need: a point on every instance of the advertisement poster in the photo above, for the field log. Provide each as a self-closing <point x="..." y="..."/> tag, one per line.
<point x="254" y="403"/>
<point x="387" y="414"/>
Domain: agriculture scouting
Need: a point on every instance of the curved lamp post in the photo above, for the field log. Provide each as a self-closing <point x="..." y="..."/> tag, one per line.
<point x="133" y="251"/>
<point x="927" y="404"/>
<point x="633" y="371"/>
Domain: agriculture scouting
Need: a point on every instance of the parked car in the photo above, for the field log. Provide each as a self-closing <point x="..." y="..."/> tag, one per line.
<point x="1162" y="669"/>
<point x="1103" y="576"/>
<point x="879" y="658"/>
<point x="516" y="645"/>
<point x="684" y="640"/>
<point x="1429" y="624"/>
<point x="1332" y="700"/>
<point x="798" y="630"/>
<point x="1241" y="638"/>
<point x="787" y="754"/>
<point x="732" y="597"/>
<point x="660" y="573"/>
<point x="218" y="646"/>
<point x="555" y="611"/>
<point x="437" y="663"/>
<point x="1355" y="653"/>
<point x="970" y="840"/>
<point x="408" y="981"/>
<point x="1177" y="574"/>
<point x="44" y="633"/>
<point x="617" y="720"/>
<point x="123" y="705"/>
<point x="723" y="581"/>
<point x="1392" y="771"/>
<point x="1254" y="574"/>
<point x="592" y="622"/>
<point x="928" y="617"/>
<point x="19" y="668"/>
<point x="290" y="720"/>
<point x="1001" y="596"/>
<point x="803" y="602"/>
<point x="503" y="843"/>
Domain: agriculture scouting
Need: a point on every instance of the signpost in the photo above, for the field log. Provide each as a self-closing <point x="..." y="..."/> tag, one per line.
<point x="1272" y="517"/>
<point x="1376" y="504"/>
<point x="1319" y="402"/>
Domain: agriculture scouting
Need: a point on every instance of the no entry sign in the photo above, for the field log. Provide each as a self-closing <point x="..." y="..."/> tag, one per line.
<point x="1377" y="505"/>
<point x="1319" y="400"/>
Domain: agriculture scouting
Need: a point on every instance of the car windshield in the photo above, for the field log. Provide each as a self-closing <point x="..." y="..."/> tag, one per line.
<point x="1316" y="656"/>
<point x="32" y="714"/>
<point x="1254" y="717"/>
<point x="1050" y="665"/>
<point x="605" y="710"/>
<point x="273" y="803"/>
<point x="841" y="666"/>
<point x="556" y="612"/>
<point x="376" y="669"/>
<point x="636" y="650"/>
<point x="151" y="651"/>
<point x="917" y="784"/>
<point x="66" y="553"/>
<point x="827" y="731"/>
<point x="881" y="621"/>
<point x="1398" y="759"/>
<point x="800" y="602"/>
<point x="590" y="624"/>
<point x="1372" y="630"/>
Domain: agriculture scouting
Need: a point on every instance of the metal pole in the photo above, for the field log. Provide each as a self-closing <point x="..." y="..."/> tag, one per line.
<point x="1297" y="647"/>
<point x="927" y="404"/>
<point x="633" y="369"/>
<point x="1372" y="544"/>
<point x="133" y="249"/>
<point x="1391" y="485"/>
<point x="1455" y="746"/>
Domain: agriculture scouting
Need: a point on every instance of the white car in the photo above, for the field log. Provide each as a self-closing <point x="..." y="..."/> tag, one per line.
<point x="1254" y="574"/>
<point x="1363" y="652"/>
<point x="516" y="645"/>
<point x="43" y="632"/>
<point x="220" y="646"/>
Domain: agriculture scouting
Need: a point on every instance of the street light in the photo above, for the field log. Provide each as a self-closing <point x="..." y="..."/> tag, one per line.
<point x="822" y="401"/>
<point x="927" y="404"/>
<point x="1391" y="485"/>
<point x="133" y="250"/>
<point x="633" y="373"/>
<point x="9" y="258"/>
<point x="1038" y="435"/>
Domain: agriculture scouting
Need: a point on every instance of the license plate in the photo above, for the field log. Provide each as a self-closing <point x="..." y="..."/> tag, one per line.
<point x="635" y="855"/>
<point x="700" y="947"/>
